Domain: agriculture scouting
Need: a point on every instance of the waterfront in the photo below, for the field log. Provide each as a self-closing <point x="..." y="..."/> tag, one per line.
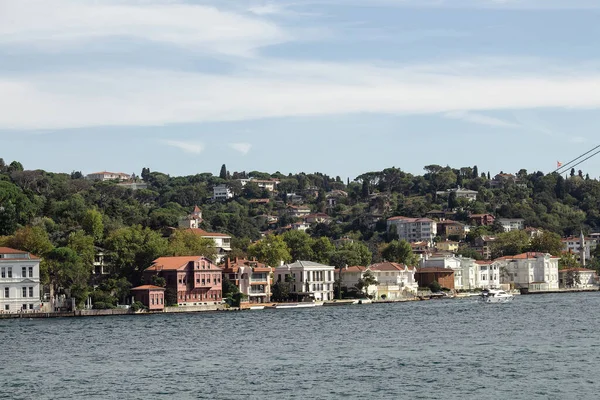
<point x="537" y="347"/>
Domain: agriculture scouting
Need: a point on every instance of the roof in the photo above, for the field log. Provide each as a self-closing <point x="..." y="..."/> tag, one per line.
<point x="148" y="287"/>
<point x="107" y="172"/>
<point x="480" y="215"/>
<point x="576" y="270"/>
<point x="303" y="264"/>
<point x="196" y="209"/>
<point x="355" y="268"/>
<point x="427" y="270"/>
<point x="204" y="233"/>
<point x="524" y="256"/>
<point x="408" y="219"/>
<point x="235" y="263"/>
<point x="389" y="266"/>
<point x="176" y="263"/>
<point x="483" y="262"/>
<point x="8" y="250"/>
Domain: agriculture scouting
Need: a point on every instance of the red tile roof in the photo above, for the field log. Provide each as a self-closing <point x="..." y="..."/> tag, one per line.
<point x="389" y="266"/>
<point x="425" y="270"/>
<point x="524" y="256"/>
<point x="148" y="287"/>
<point x="8" y="250"/>
<point x="354" y="268"/>
<point x="176" y="263"/>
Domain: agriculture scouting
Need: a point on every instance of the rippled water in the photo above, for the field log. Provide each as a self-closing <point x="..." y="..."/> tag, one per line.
<point x="538" y="347"/>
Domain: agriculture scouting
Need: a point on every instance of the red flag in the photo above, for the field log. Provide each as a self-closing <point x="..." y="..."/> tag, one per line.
<point x="558" y="164"/>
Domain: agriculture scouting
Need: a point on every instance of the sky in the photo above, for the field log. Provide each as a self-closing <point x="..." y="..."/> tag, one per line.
<point x="335" y="86"/>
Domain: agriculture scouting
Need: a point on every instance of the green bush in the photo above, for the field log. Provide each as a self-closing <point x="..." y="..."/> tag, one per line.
<point x="137" y="306"/>
<point x="435" y="287"/>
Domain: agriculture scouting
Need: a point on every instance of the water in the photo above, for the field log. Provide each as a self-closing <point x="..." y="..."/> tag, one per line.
<point x="537" y="347"/>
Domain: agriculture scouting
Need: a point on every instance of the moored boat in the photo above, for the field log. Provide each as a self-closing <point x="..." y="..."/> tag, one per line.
<point x="294" y="305"/>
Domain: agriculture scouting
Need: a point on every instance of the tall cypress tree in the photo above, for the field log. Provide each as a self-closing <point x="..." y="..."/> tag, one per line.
<point x="223" y="173"/>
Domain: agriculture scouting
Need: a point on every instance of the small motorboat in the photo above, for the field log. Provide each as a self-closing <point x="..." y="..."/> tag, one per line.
<point x="257" y="307"/>
<point x="496" y="296"/>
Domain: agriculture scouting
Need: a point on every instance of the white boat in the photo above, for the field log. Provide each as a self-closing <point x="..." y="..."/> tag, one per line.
<point x="496" y="296"/>
<point x="257" y="307"/>
<point x="295" y="305"/>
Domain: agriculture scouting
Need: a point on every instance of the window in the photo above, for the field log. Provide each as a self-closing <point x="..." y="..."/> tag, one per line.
<point x="31" y="291"/>
<point x="24" y="272"/>
<point x="6" y="307"/>
<point x="6" y="292"/>
<point x="24" y="306"/>
<point x="9" y="272"/>
<point x="31" y="272"/>
<point x="24" y="292"/>
<point x="3" y="272"/>
<point x="31" y="306"/>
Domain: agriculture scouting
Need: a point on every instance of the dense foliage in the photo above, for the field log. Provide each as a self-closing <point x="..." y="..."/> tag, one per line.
<point x="66" y="218"/>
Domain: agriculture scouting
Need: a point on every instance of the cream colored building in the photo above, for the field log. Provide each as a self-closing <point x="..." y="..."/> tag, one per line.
<point x="19" y="281"/>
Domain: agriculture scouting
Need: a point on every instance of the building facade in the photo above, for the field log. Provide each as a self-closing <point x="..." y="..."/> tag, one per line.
<point x="195" y="279"/>
<point x="108" y="176"/>
<point x="251" y="277"/>
<point x="394" y="281"/>
<point x="151" y="296"/>
<point x="511" y="224"/>
<point x="221" y="193"/>
<point x="19" y="281"/>
<point x="532" y="271"/>
<point x="307" y="279"/>
<point x="413" y="229"/>
<point x="577" y="278"/>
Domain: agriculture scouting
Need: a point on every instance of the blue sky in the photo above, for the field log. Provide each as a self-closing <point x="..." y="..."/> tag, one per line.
<point x="336" y="86"/>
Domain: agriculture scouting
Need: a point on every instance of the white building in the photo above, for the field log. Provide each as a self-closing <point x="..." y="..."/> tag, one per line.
<point x="488" y="275"/>
<point x="192" y="220"/>
<point x="461" y="193"/>
<point x="511" y="224"/>
<point x="270" y="184"/>
<point x="19" y="281"/>
<point x="251" y="277"/>
<point x="108" y="176"/>
<point x="298" y="211"/>
<point x="535" y="271"/>
<point x="452" y="262"/>
<point x="413" y="229"/>
<point x="573" y="245"/>
<point x="394" y="281"/>
<point x="308" y="279"/>
<point x="222" y="192"/>
<point x="587" y="278"/>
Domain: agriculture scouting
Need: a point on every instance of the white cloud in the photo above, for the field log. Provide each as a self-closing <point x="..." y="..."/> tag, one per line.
<point x="284" y="89"/>
<point x="493" y="4"/>
<point x="480" y="119"/>
<point x="243" y="148"/>
<point x="188" y="147"/>
<point x="52" y="24"/>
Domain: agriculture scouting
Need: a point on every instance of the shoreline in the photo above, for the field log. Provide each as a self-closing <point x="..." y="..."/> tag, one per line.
<point x="195" y="310"/>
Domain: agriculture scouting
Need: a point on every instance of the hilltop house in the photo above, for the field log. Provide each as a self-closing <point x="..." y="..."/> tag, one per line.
<point x="222" y="192"/>
<point x="511" y="224"/>
<point x="108" y="176"/>
<point x="192" y="220"/>
<point x="482" y="219"/>
<point x="19" y="281"/>
<point x="195" y="279"/>
<point x="461" y="193"/>
<point x="413" y="229"/>
<point x="307" y="279"/>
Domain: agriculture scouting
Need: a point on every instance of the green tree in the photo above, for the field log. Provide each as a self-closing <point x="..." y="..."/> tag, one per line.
<point x="66" y="270"/>
<point x="399" y="252"/>
<point x="510" y="243"/>
<point x="322" y="249"/>
<point x="350" y="254"/>
<point x="33" y="239"/>
<point x="547" y="242"/>
<point x="300" y="245"/>
<point x="188" y="243"/>
<point x="368" y="279"/>
<point x="83" y="245"/>
<point x="133" y="249"/>
<point x="270" y="250"/>
<point x="223" y="172"/>
<point x="92" y="224"/>
<point x="567" y="261"/>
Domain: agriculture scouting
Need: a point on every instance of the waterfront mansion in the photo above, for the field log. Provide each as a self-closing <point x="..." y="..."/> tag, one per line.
<point x="19" y="281"/>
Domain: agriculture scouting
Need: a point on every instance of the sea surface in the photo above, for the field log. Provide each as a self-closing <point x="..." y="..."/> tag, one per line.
<point x="537" y="347"/>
